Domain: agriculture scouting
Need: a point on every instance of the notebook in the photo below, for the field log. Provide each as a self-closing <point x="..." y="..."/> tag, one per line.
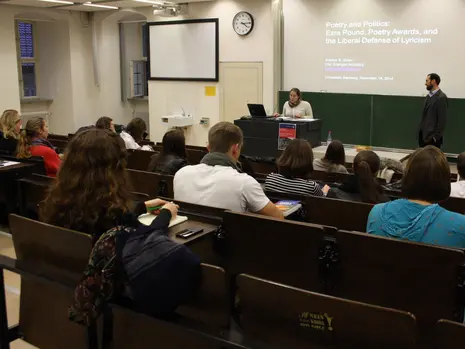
<point x="147" y="219"/>
<point x="288" y="207"/>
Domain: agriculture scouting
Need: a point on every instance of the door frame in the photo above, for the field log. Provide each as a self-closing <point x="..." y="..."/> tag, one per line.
<point x="223" y="65"/>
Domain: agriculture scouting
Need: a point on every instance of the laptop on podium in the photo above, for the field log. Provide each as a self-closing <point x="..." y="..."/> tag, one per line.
<point x="258" y="111"/>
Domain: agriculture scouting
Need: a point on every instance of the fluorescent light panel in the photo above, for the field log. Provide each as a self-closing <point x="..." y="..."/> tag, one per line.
<point x="152" y="2"/>
<point x="59" y="2"/>
<point x="101" y="6"/>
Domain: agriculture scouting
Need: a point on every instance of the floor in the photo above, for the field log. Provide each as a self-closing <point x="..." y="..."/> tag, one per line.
<point x="12" y="286"/>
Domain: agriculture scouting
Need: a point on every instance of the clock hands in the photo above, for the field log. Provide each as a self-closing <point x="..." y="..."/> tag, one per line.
<point x="246" y="24"/>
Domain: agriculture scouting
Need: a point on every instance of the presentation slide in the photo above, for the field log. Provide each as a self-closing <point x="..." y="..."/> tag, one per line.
<point x="374" y="47"/>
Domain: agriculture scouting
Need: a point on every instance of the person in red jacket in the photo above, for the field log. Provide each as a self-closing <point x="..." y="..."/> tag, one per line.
<point x="33" y="142"/>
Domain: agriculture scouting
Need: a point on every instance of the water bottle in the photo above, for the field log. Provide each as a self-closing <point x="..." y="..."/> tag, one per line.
<point x="329" y="139"/>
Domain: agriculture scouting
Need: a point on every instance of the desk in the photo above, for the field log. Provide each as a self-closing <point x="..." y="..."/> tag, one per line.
<point x="261" y="135"/>
<point x="207" y="218"/>
<point x="351" y="153"/>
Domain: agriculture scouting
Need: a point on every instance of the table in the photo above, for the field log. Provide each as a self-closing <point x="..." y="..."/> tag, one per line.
<point x="351" y="153"/>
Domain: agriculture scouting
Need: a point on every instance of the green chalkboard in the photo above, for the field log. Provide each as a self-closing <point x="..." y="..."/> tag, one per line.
<point x="383" y="121"/>
<point x="396" y="120"/>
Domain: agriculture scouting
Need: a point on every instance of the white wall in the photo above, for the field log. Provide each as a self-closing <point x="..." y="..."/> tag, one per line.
<point x="54" y="75"/>
<point x="168" y="97"/>
<point x="67" y="72"/>
<point x="9" y="89"/>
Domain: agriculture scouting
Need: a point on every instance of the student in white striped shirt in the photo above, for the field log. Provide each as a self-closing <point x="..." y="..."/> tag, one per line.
<point x="294" y="168"/>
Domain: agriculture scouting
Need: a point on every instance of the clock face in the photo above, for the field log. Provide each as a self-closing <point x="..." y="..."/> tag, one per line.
<point x="243" y="23"/>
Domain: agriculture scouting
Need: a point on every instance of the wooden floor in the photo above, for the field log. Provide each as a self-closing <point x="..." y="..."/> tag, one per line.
<point x="12" y="285"/>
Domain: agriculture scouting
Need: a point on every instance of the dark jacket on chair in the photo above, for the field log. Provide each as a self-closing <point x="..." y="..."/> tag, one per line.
<point x="8" y="145"/>
<point x="433" y="121"/>
<point x="169" y="164"/>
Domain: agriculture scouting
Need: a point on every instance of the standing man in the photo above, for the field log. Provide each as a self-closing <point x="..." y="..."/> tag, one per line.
<point x="433" y="121"/>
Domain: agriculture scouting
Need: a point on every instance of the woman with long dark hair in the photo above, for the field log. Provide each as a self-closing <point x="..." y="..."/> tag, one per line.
<point x="295" y="166"/>
<point x="91" y="195"/>
<point x="362" y="186"/>
<point x="334" y="159"/>
<point x="173" y="154"/>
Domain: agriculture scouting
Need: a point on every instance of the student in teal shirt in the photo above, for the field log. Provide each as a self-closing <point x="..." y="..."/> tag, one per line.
<point x="419" y="218"/>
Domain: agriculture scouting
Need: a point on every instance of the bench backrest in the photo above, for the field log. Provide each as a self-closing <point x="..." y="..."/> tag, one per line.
<point x="450" y="335"/>
<point x="454" y="205"/>
<point x="293" y="318"/>
<point x="194" y="156"/>
<point x="151" y="183"/>
<point x="44" y="306"/>
<point x="282" y="251"/>
<point x="31" y="192"/>
<point x="329" y="177"/>
<point x="135" y="330"/>
<point x="212" y="304"/>
<point x="140" y="159"/>
<point x="347" y="215"/>
<point x="418" y="278"/>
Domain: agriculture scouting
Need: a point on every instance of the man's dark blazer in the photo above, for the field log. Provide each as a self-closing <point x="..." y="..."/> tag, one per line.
<point x="433" y="121"/>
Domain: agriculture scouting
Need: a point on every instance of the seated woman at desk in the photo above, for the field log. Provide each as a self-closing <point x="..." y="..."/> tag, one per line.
<point x="334" y="159"/>
<point x="295" y="166"/>
<point x="33" y="142"/>
<point x="173" y="154"/>
<point x="10" y="126"/>
<point x="295" y="107"/>
<point x="91" y="195"/>
<point x="362" y="186"/>
<point x="419" y="218"/>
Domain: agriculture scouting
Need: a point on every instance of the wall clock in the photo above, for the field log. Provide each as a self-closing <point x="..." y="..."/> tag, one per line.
<point x="243" y="23"/>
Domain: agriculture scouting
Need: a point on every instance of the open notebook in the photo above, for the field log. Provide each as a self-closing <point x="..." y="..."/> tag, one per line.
<point x="148" y="218"/>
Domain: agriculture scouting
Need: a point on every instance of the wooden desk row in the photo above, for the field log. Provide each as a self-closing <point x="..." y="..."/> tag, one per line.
<point x="308" y="257"/>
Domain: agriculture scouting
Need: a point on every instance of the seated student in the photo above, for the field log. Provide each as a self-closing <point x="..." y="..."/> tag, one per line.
<point x="294" y="169"/>
<point x="134" y="134"/>
<point x="334" y="159"/>
<point x="93" y="170"/>
<point x="91" y="195"/>
<point x="457" y="189"/>
<point x="105" y="123"/>
<point x="295" y="107"/>
<point x="10" y="127"/>
<point x="363" y="185"/>
<point x="217" y="182"/>
<point x="419" y="217"/>
<point x="33" y="142"/>
<point x="173" y="154"/>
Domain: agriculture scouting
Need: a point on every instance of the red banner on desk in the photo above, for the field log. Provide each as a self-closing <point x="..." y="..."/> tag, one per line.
<point x="287" y="132"/>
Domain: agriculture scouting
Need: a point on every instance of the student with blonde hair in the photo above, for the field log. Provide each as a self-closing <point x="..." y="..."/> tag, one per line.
<point x="10" y="126"/>
<point x="33" y="142"/>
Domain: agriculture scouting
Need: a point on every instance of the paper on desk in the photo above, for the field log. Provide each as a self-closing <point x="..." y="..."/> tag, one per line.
<point x="287" y="118"/>
<point x="4" y="163"/>
<point x="148" y="218"/>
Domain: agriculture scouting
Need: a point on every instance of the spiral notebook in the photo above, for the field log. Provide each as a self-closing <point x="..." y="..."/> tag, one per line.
<point x="147" y="219"/>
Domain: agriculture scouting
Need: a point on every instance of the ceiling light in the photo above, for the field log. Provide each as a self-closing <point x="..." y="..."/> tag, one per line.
<point x="59" y="2"/>
<point x="152" y="2"/>
<point x="101" y="6"/>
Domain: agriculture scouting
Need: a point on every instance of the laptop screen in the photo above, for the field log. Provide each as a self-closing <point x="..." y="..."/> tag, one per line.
<point x="257" y="110"/>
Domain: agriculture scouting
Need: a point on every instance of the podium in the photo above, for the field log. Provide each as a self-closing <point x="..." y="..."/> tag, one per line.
<point x="262" y="136"/>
